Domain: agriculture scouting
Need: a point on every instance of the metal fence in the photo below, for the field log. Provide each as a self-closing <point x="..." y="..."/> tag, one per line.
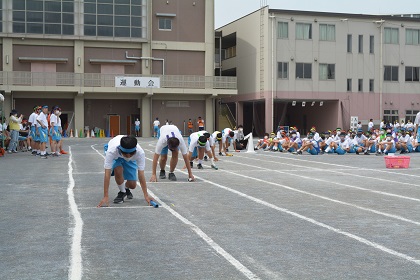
<point x="17" y="78"/>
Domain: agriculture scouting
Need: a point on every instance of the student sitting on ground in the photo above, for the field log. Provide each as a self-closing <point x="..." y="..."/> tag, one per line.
<point x="309" y="144"/>
<point x="262" y="143"/>
<point x="387" y="145"/>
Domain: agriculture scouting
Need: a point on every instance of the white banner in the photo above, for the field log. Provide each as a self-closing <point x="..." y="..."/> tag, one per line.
<point x="137" y="82"/>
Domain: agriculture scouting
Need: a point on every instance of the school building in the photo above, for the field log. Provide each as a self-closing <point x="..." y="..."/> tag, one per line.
<point x="324" y="69"/>
<point x="107" y="62"/>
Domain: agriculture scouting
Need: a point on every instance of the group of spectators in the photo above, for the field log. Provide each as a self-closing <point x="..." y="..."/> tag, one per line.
<point x="33" y="133"/>
<point x="388" y="138"/>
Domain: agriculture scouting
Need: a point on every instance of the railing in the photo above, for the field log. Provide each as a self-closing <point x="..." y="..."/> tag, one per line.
<point x="17" y="78"/>
<point x="226" y="112"/>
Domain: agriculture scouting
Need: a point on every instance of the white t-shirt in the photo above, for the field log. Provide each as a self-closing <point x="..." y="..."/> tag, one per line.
<point x="55" y="119"/>
<point x="32" y="118"/>
<point x="156" y="123"/>
<point x="166" y="132"/>
<point x="345" y="144"/>
<point x="359" y="140"/>
<point x="43" y="119"/>
<point x="137" y="123"/>
<point x="194" y="142"/>
<point x="417" y="120"/>
<point x="370" y="125"/>
<point x="113" y="153"/>
<point x="225" y="134"/>
<point x="213" y="138"/>
<point x="404" y="139"/>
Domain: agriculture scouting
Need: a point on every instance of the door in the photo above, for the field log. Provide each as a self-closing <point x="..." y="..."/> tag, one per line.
<point x="129" y="126"/>
<point x="114" y="125"/>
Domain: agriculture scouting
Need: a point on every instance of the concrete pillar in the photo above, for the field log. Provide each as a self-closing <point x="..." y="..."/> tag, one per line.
<point x="7" y="105"/>
<point x="240" y="112"/>
<point x="79" y="113"/>
<point x="7" y="54"/>
<point x="79" y="56"/>
<point x="209" y="38"/>
<point x="146" y="121"/>
<point x="268" y="119"/>
<point x="209" y="118"/>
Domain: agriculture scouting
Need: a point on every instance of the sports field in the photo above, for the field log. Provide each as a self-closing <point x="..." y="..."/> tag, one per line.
<point x="262" y="215"/>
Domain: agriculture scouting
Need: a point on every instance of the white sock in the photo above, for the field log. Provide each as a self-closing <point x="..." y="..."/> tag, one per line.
<point x="200" y="161"/>
<point x="379" y="150"/>
<point x="212" y="161"/>
<point x="122" y="187"/>
<point x="328" y="149"/>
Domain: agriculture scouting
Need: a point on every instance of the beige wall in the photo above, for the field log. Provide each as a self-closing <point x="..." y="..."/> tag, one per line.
<point x="188" y="24"/>
<point x="179" y="62"/>
<point x="110" y="54"/>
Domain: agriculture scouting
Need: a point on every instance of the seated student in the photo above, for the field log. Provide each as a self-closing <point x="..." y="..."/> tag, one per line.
<point x="239" y="142"/>
<point x="387" y="145"/>
<point x="279" y="140"/>
<point x="198" y="144"/>
<point x="325" y="141"/>
<point x="4" y="136"/>
<point x="295" y="142"/>
<point x="404" y="143"/>
<point x="360" y="142"/>
<point x="24" y="140"/>
<point x="270" y="143"/>
<point x="371" y="144"/>
<point x="342" y="146"/>
<point x="262" y="143"/>
<point x="309" y="144"/>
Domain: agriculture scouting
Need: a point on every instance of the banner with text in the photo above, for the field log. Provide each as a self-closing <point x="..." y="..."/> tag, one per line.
<point x="137" y="82"/>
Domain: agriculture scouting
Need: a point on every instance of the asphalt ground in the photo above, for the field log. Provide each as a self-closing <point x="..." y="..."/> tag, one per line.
<point x="262" y="215"/>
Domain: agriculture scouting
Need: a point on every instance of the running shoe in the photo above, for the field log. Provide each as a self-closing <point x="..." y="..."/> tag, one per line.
<point x="128" y="193"/>
<point x="120" y="197"/>
<point x="199" y="166"/>
<point x="172" y="176"/>
<point x="162" y="174"/>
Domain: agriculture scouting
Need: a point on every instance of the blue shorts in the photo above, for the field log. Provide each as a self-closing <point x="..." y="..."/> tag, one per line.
<point x="129" y="168"/>
<point x="312" y="151"/>
<point x="32" y="132"/>
<point x="137" y="128"/>
<point x="43" y="134"/>
<point x="55" y="133"/>
<point x="340" y="151"/>
<point x="156" y="128"/>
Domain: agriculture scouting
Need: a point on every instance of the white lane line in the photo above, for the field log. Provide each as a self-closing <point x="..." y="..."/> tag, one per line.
<point x="323" y="197"/>
<point x="284" y="210"/>
<point x="116" y="207"/>
<point x="238" y="265"/>
<point x="346" y="166"/>
<point x="75" y="271"/>
<point x="331" y="182"/>
<point x="337" y="172"/>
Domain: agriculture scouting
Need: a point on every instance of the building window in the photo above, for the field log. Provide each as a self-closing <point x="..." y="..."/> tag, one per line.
<point x="391" y="35"/>
<point x="349" y="85"/>
<point x="283" y="70"/>
<point x="283" y="30"/>
<point x="372" y="44"/>
<point x="303" y="71"/>
<point x="371" y="85"/>
<point x="327" y="32"/>
<point x="327" y="71"/>
<point x="230" y="52"/>
<point x="390" y="116"/>
<point x="303" y="31"/>
<point x="123" y="19"/>
<point x="412" y="74"/>
<point x="410" y="115"/>
<point x="43" y="17"/>
<point x="165" y="24"/>
<point x="360" y="43"/>
<point x="360" y="85"/>
<point x="391" y="73"/>
<point x="349" y="43"/>
<point x="412" y="36"/>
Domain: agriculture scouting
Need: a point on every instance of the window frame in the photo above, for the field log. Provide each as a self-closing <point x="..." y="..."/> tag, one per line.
<point x="330" y="67"/>
<point x="302" y="25"/>
<point x="360" y="85"/>
<point x="371" y="44"/>
<point x="371" y="85"/>
<point x="390" y="37"/>
<point x="407" y="36"/>
<point x="349" y="43"/>
<point x="349" y="85"/>
<point x="389" y="69"/>
<point x="304" y="66"/>
<point x="280" y="35"/>
<point x="328" y="37"/>
<point x="165" y="21"/>
<point x="280" y="72"/>
<point x="412" y="68"/>
<point x="360" y="43"/>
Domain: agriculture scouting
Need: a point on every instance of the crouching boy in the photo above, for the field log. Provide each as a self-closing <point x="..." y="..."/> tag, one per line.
<point x="125" y="160"/>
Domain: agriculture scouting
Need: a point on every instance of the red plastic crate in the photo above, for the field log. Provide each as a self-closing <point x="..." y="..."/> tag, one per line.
<point x="397" y="161"/>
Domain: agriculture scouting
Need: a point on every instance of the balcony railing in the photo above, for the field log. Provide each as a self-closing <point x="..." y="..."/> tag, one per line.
<point x="17" y="78"/>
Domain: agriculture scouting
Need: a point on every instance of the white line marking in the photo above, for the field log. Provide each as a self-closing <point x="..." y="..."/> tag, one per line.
<point x="75" y="271"/>
<point x="324" y="197"/>
<point x="284" y="210"/>
<point x="338" y="172"/>
<point x="116" y="207"/>
<point x="239" y="266"/>
<point x="346" y="166"/>
<point x="331" y="182"/>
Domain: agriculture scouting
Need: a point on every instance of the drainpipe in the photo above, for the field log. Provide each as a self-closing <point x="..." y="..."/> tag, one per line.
<point x="147" y="58"/>
<point x="381" y="68"/>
